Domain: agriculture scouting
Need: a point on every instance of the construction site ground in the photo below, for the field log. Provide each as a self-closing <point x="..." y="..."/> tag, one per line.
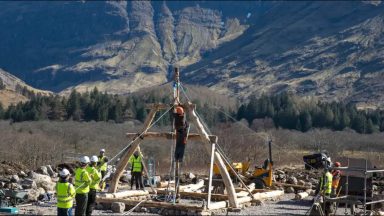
<point x="285" y="205"/>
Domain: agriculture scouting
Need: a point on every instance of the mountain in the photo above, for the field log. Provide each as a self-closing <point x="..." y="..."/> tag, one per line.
<point x="330" y="50"/>
<point x="14" y="90"/>
<point x="333" y="50"/>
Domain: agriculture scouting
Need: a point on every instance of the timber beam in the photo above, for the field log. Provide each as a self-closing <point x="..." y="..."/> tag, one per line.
<point x="168" y="135"/>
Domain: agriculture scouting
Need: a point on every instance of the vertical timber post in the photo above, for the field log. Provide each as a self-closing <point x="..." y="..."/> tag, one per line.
<point x="213" y="150"/>
<point x="128" y="152"/>
<point x="176" y="101"/>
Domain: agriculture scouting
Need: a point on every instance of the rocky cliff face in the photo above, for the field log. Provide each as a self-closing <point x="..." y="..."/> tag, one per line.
<point x="332" y="50"/>
<point x="131" y="45"/>
<point x="334" y="53"/>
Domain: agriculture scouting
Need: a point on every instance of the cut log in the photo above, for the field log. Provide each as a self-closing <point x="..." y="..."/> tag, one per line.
<point x="123" y="194"/>
<point x="218" y="205"/>
<point x="216" y="197"/>
<point x="268" y="194"/>
<point x="164" y="184"/>
<point x="151" y="204"/>
<point x="303" y="187"/>
<point x="242" y="194"/>
<point x="192" y="187"/>
<point x="302" y="195"/>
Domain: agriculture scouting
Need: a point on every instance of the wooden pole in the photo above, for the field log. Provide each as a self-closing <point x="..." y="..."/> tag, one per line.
<point x="211" y="175"/>
<point x="128" y="152"/>
<point x="218" y="160"/>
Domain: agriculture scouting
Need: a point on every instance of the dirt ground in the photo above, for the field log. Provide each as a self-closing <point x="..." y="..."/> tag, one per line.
<point x="284" y="206"/>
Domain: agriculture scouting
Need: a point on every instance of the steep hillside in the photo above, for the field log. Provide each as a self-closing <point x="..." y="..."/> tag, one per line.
<point x="331" y="50"/>
<point x="14" y="90"/>
<point x="117" y="46"/>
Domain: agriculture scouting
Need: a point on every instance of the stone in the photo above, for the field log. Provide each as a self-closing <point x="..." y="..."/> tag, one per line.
<point x="22" y="174"/>
<point x="43" y="181"/>
<point x="118" y="207"/>
<point x="279" y="172"/>
<point x="15" y="178"/>
<point x="50" y="170"/>
<point x="34" y="194"/>
<point x="257" y="203"/>
<point x="289" y="190"/>
<point x="43" y="170"/>
<point x="28" y="184"/>
<point x="2" y="184"/>
<point x="301" y="182"/>
<point x="292" y="180"/>
<point x="308" y="184"/>
<point x="191" y="176"/>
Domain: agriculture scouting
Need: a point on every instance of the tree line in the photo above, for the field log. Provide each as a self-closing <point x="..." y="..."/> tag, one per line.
<point x="290" y="112"/>
<point x="94" y="106"/>
<point x="285" y="111"/>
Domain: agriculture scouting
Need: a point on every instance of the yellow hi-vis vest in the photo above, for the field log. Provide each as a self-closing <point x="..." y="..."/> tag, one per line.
<point x="136" y="163"/>
<point x="103" y="164"/>
<point x="82" y="181"/>
<point x="326" y="183"/>
<point x="95" y="176"/>
<point x="65" y="194"/>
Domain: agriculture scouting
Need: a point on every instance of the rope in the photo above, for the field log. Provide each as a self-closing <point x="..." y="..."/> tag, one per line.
<point x="132" y="209"/>
<point x="158" y="119"/>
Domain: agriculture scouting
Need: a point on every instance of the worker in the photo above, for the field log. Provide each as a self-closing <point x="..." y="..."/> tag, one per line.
<point x="95" y="176"/>
<point x="103" y="162"/>
<point x="325" y="187"/>
<point x="336" y="175"/>
<point x="102" y="166"/>
<point x="136" y="171"/>
<point x="82" y="182"/>
<point x="181" y="127"/>
<point x="65" y="194"/>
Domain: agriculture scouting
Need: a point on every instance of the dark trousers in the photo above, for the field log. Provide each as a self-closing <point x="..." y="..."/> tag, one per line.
<point x="91" y="201"/>
<point x="138" y="179"/>
<point x="64" y="211"/>
<point x="103" y="174"/>
<point x="81" y="204"/>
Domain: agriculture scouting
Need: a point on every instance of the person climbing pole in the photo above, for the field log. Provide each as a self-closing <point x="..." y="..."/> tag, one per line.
<point x="181" y="127"/>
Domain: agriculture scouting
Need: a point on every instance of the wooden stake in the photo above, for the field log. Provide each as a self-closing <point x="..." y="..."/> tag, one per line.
<point x="128" y="153"/>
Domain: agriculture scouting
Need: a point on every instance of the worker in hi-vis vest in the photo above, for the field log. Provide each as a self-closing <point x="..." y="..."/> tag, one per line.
<point x="65" y="193"/>
<point x="95" y="176"/>
<point x="136" y="171"/>
<point x="82" y="182"/>
<point x="102" y="166"/>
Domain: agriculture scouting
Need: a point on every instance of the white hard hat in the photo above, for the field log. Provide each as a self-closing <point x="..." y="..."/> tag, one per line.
<point x="64" y="173"/>
<point x="102" y="150"/>
<point x="84" y="159"/>
<point x="94" y="159"/>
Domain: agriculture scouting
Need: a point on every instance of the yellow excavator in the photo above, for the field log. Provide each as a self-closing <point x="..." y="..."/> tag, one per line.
<point x="261" y="176"/>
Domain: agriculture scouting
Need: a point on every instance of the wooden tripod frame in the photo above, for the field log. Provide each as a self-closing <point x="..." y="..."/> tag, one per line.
<point x="208" y="141"/>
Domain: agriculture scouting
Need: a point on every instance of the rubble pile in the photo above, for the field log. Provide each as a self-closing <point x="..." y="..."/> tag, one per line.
<point x="36" y="185"/>
<point x="293" y="180"/>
